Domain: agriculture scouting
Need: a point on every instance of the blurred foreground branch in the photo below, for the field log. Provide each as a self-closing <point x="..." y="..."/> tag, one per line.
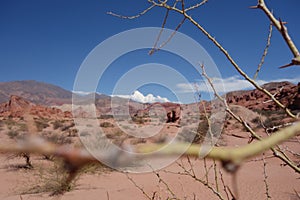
<point x="234" y="155"/>
<point x="77" y="158"/>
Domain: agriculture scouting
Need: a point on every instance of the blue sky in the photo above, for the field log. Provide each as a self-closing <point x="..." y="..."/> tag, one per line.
<point x="48" y="40"/>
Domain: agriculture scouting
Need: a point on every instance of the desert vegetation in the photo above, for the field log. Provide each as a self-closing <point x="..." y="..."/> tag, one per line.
<point x="266" y="140"/>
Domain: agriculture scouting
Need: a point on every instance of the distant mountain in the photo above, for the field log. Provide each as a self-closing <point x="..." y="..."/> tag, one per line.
<point x="36" y="92"/>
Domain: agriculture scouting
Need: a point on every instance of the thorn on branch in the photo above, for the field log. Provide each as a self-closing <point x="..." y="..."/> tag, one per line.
<point x="254" y="7"/>
<point x="287" y="65"/>
<point x="251" y="138"/>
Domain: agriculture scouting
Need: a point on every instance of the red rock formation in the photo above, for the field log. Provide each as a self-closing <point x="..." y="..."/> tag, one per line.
<point x="171" y="111"/>
<point x="257" y="100"/>
<point x="17" y="107"/>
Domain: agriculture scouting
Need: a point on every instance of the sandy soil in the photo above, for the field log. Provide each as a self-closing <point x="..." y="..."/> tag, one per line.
<point x="172" y="181"/>
<point x="282" y="181"/>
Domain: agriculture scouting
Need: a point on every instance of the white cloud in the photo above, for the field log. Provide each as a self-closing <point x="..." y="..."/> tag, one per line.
<point x="229" y="84"/>
<point x="83" y="93"/>
<point x="139" y="97"/>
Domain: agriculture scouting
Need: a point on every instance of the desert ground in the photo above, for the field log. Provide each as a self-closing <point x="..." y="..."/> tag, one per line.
<point x="186" y="178"/>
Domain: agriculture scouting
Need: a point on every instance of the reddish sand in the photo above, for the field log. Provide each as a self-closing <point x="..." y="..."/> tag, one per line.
<point x="282" y="181"/>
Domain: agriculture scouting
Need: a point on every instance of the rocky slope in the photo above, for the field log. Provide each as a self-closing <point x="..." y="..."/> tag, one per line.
<point x="36" y="92"/>
<point x="17" y="107"/>
<point x="287" y="93"/>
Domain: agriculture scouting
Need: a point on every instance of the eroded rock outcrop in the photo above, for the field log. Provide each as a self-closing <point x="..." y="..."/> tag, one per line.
<point x="17" y="107"/>
<point x="287" y="93"/>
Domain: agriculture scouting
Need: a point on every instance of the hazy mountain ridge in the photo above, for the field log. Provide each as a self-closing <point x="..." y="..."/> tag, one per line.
<point x="36" y="92"/>
<point x="50" y="95"/>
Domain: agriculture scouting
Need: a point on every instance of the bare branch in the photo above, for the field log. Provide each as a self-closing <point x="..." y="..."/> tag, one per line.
<point x="134" y="16"/>
<point x="139" y="187"/>
<point x="203" y="182"/>
<point x="169" y="38"/>
<point x="238" y="118"/>
<point x="206" y="170"/>
<point x="227" y="55"/>
<point x="234" y="155"/>
<point x="175" y="3"/>
<point x="160" y="32"/>
<point x="262" y="60"/>
<point x="196" y="5"/>
<point x="216" y="175"/>
<point x="266" y="177"/>
<point x="161" y="180"/>
<point x="283" y="30"/>
<point x="183" y="6"/>
<point x="277" y="152"/>
<point x="223" y="183"/>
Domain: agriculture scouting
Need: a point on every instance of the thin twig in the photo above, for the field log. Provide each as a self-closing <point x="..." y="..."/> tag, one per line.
<point x="139" y="187"/>
<point x="134" y="16"/>
<point x="175" y="3"/>
<point x="196" y="5"/>
<point x="203" y="182"/>
<point x="183" y="6"/>
<point x="169" y="38"/>
<point x="160" y="180"/>
<point x="223" y="183"/>
<point x="206" y="171"/>
<point x="262" y="60"/>
<point x="235" y="194"/>
<point x="266" y="177"/>
<point x="216" y="176"/>
<point x="160" y="33"/>
<point x="191" y="166"/>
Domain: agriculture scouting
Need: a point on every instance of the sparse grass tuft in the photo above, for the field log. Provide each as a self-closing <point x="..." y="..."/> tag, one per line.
<point x="50" y="179"/>
<point x="106" y="125"/>
<point x="41" y="125"/>
<point x="12" y="134"/>
<point x="54" y="177"/>
<point x="58" y="138"/>
<point x="57" y="124"/>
